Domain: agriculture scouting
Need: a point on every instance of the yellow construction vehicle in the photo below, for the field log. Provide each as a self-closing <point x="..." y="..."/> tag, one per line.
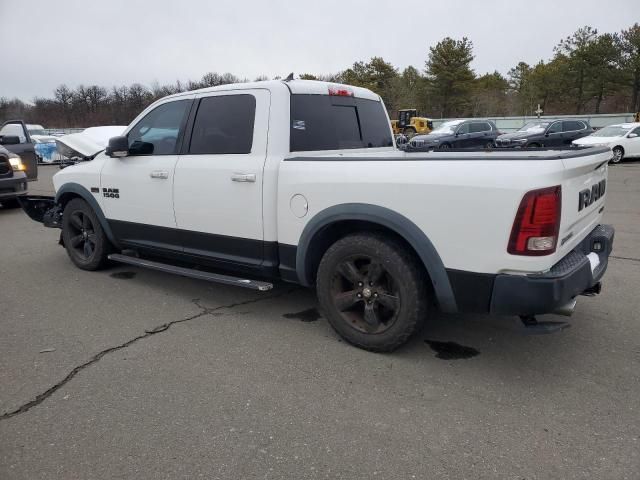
<point x="410" y="124"/>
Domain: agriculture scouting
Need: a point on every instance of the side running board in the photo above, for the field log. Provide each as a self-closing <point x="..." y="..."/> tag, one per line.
<point x="192" y="273"/>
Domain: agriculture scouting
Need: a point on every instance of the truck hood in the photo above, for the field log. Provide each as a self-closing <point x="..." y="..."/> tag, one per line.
<point x="88" y="142"/>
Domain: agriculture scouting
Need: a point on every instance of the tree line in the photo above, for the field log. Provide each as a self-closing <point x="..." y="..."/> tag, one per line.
<point x="589" y="72"/>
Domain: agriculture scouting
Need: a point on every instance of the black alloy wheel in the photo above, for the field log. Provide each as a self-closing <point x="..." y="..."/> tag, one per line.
<point x="365" y="294"/>
<point x="83" y="237"/>
<point x="82" y="234"/>
<point x="373" y="291"/>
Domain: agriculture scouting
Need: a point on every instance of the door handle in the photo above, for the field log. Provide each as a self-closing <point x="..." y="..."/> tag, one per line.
<point x="159" y="174"/>
<point x="243" y="177"/>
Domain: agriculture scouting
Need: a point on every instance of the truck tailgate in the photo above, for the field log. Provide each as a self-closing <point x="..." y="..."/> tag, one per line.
<point x="583" y="197"/>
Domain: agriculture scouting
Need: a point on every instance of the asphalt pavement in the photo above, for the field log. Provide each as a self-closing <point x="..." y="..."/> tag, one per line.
<point x="130" y="373"/>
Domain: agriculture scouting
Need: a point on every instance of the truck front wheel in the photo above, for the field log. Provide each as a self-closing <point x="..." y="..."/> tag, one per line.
<point x="372" y="291"/>
<point x="83" y="237"/>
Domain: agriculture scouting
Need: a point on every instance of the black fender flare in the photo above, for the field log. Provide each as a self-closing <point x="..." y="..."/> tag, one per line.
<point x="78" y="190"/>
<point x="394" y="222"/>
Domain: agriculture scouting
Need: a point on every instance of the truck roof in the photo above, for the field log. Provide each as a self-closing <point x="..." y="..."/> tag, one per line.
<point x="308" y="87"/>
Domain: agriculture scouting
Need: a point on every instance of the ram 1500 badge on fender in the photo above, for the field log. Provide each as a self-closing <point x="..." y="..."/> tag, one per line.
<point x="301" y="181"/>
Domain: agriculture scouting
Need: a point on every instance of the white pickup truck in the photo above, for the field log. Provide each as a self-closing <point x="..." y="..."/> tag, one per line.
<point x="301" y="181"/>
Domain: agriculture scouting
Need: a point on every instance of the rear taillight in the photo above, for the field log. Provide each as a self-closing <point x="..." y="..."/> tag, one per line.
<point x="537" y="223"/>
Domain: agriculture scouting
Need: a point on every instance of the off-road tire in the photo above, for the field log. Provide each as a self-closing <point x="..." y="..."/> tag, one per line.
<point x="77" y="210"/>
<point x="405" y="273"/>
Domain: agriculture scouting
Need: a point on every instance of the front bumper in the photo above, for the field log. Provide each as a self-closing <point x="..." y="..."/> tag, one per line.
<point x="546" y="292"/>
<point x="14" y="186"/>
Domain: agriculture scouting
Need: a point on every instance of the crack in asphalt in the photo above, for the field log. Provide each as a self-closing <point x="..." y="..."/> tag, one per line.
<point x="147" y="333"/>
<point x="625" y="258"/>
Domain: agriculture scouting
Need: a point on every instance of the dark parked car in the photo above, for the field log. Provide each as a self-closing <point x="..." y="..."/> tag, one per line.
<point x="13" y="179"/>
<point x="15" y="137"/>
<point x="546" y="133"/>
<point x="466" y="134"/>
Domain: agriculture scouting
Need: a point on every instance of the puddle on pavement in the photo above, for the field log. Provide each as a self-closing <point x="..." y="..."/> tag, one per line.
<point x="123" y="275"/>
<point x="451" y="350"/>
<point x="309" y="315"/>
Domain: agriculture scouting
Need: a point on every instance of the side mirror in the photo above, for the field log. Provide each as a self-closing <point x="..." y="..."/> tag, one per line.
<point x="632" y="135"/>
<point x="9" y="140"/>
<point x="118" y="147"/>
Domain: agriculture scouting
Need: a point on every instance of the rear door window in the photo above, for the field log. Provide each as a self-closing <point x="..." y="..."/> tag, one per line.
<point x="324" y="122"/>
<point x="478" y="127"/>
<point x="224" y="125"/>
<point x="572" y="126"/>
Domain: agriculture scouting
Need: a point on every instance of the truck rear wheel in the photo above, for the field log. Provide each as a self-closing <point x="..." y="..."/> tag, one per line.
<point x="83" y="237"/>
<point x="372" y="291"/>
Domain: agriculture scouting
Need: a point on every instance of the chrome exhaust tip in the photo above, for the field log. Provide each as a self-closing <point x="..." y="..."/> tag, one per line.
<point x="566" y="309"/>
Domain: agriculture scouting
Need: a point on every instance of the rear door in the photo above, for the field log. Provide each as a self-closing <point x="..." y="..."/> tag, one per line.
<point x="571" y="130"/>
<point x="218" y="180"/>
<point x="480" y="134"/>
<point x="25" y="149"/>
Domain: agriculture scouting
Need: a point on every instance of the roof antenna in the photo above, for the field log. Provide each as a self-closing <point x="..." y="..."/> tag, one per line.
<point x="289" y="78"/>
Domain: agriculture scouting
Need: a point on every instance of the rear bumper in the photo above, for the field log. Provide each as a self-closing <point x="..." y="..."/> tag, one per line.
<point x="13" y="186"/>
<point x="504" y="294"/>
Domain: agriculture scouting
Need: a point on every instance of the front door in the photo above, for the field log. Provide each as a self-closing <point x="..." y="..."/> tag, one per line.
<point x="219" y="177"/>
<point x="553" y="136"/>
<point x="462" y="139"/>
<point x="136" y="191"/>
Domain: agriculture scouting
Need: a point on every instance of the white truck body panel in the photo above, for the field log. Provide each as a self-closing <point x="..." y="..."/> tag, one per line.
<point x="475" y="201"/>
<point x="464" y="202"/>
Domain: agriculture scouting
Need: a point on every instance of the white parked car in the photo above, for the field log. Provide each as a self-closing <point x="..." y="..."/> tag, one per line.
<point x="300" y="181"/>
<point x="623" y="139"/>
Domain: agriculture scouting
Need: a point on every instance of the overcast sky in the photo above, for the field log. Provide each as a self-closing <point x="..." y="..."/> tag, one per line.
<point x="112" y="42"/>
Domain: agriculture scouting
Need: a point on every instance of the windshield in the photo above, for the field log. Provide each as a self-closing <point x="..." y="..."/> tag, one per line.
<point x="534" y="127"/>
<point x="36" y="131"/>
<point x="447" y="127"/>
<point x="612" y="131"/>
